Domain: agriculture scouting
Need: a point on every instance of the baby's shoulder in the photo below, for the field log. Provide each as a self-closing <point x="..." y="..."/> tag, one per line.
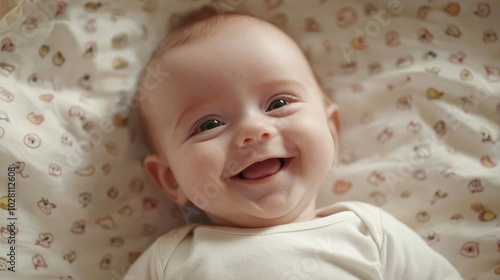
<point x="375" y="220"/>
<point x="168" y="242"/>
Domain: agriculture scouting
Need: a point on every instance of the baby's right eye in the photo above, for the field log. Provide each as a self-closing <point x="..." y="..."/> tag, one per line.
<point x="209" y="124"/>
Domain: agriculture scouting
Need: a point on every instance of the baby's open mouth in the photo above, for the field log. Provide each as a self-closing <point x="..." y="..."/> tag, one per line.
<point x="262" y="169"/>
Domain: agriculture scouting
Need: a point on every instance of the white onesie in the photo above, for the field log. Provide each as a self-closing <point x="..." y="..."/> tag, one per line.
<point x="350" y="240"/>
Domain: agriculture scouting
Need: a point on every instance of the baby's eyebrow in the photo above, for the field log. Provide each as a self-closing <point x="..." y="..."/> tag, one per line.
<point x="280" y="83"/>
<point x="189" y="110"/>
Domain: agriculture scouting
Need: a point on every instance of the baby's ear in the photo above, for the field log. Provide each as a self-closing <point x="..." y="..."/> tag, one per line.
<point x="161" y="174"/>
<point x="333" y="118"/>
<point x="333" y="115"/>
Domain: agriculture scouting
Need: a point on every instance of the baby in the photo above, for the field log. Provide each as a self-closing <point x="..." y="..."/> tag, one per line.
<point x="240" y="128"/>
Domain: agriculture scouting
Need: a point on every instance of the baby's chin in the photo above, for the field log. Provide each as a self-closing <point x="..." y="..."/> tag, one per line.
<point x="268" y="220"/>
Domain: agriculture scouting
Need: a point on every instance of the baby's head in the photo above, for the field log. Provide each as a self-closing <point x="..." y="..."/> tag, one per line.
<point x="239" y="125"/>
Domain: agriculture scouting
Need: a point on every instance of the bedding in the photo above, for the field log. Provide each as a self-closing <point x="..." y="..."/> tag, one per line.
<point x="418" y="84"/>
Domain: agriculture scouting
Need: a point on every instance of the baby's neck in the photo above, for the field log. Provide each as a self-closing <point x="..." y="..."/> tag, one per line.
<point x="309" y="213"/>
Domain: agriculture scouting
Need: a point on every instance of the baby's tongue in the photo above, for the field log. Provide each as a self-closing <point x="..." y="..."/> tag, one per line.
<point x="262" y="169"/>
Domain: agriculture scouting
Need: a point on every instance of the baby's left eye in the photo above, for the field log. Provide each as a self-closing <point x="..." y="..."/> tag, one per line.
<point x="276" y="104"/>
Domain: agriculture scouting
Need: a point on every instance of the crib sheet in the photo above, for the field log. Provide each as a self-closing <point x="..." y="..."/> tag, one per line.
<point x="418" y="84"/>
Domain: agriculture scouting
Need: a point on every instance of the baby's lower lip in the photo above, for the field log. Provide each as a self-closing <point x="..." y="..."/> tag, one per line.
<point x="278" y="183"/>
<point x="241" y="177"/>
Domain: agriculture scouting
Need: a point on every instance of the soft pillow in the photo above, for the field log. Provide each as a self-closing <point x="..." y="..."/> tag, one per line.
<point x="418" y="86"/>
<point x="83" y="205"/>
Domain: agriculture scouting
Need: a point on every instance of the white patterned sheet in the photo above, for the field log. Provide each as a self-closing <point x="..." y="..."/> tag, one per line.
<point x="417" y="82"/>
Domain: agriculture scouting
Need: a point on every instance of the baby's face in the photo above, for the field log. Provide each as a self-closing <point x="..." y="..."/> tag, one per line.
<point x="244" y="132"/>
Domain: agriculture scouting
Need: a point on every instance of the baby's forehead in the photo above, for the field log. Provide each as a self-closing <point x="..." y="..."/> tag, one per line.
<point x="221" y="27"/>
<point x="239" y="41"/>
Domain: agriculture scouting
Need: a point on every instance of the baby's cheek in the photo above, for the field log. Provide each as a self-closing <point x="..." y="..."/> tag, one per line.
<point x="206" y="159"/>
<point x="307" y="125"/>
<point x="201" y="175"/>
<point x="313" y="134"/>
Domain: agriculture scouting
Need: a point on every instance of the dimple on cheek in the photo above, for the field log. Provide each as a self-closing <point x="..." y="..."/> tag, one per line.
<point x="231" y="167"/>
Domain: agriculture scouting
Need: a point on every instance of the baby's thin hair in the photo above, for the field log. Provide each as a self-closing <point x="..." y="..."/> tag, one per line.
<point x="184" y="28"/>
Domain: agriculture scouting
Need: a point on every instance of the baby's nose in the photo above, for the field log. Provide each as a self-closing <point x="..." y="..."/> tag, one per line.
<point x="259" y="137"/>
<point x="253" y="133"/>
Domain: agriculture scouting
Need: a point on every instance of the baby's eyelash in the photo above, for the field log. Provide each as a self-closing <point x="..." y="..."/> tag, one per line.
<point x="209" y="124"/>
<point x="205" y="124"/>
<point x="287" y="98"/>
<point x="276" y="104"/>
